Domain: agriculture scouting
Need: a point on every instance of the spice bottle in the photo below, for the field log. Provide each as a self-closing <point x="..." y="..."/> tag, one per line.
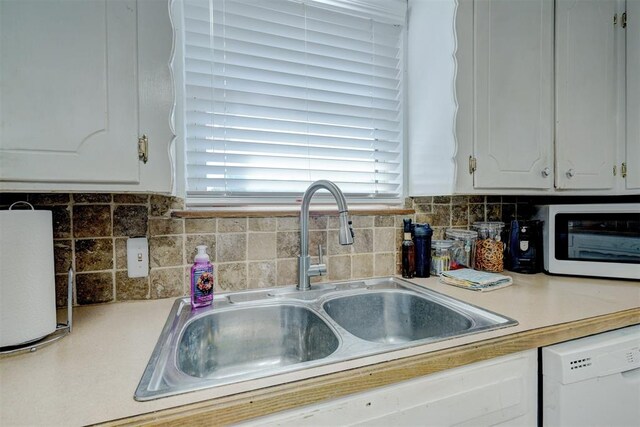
<point x="408" y="252"/>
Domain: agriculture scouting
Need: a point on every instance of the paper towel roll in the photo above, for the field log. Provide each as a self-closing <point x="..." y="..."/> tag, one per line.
<point x="27" y="276"/>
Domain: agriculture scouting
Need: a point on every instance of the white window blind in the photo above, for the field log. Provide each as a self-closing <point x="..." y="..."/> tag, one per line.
<point x="280" y="93"/>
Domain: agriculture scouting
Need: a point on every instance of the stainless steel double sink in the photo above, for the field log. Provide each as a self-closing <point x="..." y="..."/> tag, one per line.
<point x="259" y="333"/>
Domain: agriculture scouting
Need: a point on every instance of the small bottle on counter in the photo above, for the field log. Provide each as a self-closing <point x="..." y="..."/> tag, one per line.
<point x="408" y="252"/>
<point x="201" y="279"/>
<point x="422" y="237"/>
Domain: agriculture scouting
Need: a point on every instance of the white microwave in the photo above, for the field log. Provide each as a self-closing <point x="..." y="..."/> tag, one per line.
<point x="601" y="240"/>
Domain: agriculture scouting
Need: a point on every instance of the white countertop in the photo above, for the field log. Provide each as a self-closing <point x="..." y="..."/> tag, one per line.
<point x="90" y="376"/>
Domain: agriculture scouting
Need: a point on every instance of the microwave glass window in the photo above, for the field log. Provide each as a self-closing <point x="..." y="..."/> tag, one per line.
<point x="598" y="237"/>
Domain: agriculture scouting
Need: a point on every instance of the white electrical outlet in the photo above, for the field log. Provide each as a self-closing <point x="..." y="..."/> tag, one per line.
<point x="137" y="257"/>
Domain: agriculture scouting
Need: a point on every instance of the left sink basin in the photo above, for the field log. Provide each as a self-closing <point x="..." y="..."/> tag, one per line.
<point x="229" y="343"/>
<point x="252" y="340"/>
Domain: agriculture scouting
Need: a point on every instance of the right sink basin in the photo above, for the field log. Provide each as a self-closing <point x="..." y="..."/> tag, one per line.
<point x="395" y="317"/>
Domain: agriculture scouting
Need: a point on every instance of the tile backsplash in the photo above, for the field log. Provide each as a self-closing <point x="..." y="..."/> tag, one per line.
<point x="91" y="231"/>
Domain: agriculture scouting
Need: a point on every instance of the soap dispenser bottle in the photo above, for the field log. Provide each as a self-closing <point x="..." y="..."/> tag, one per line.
<point x="201" y="279"/>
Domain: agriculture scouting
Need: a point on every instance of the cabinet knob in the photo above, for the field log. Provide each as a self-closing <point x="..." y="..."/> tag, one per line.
<point x="546" y="172"/>
<point x="570" y="173"/>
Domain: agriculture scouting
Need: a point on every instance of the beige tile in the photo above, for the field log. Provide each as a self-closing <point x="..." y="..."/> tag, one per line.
<point x="47" y="198"/>
<point x="232" y="225"/>
<point x="163" y="205"/>
<point x="130" y="220"/>
<point x="362" y="265"/>
<point x="93" y="288"/>
<point x="132" y="199"/>
<point x="231" y="277"/>
<point x="61" y="217"/>
<point x="286" y="272"/>
<point x="92" y="221"/>
<point x="262" y="224"/>
<point x="318" y="222"/>
<point x="494" y="212"/>
<point x="442" y="199"/>
<point x="166" y="226"/>
<point x="261" y="246"/>
<point x="287" y="244"/>
<point x="231" y="247"/>
<point x="91" y="198"/>
<point x="194" y="240"/>
<point x="441" y="216"/>
<point x="339" y="267"/>
<point x="289" y="224"/>
<point x="121" y="252"/>
<point x="460" y="215"/>
<point x="200" y="225"/>
<point x="166" y="282"/>
<point x="384" y="239"/>
<point x="62" y="286"/>
<point x="165" y="251"/>
<point x="317" y="237"/>
<point x="335" y="248"/>
<point x="384" y="264"/>
<point x="363" y="240"/>
<point x="94" y="254"/>
<point x="63" y="255"/>
<point x="262" y="274"/>
<point x="476" y="213"/>
<point x="361" y="221"/>
<point x="384" y="221"/>
<point x="131" y="288"/>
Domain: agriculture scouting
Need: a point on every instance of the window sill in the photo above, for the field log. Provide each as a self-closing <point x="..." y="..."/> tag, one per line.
<point x="279" y="211"/>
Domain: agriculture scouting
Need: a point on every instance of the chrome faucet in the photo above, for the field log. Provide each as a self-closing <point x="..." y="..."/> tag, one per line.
<point x="305" y="268"/>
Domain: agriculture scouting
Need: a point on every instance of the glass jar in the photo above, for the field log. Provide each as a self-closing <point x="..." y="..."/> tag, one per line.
<point x="440" y="256"/>
<point x="464" y="247"/>
<point x="489" y="246"/>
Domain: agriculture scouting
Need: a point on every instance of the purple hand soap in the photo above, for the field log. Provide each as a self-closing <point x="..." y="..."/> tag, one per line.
<point x="201" y="279"/>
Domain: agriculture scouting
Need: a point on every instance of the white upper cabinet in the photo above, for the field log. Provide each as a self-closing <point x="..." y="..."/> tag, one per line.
<point x="586" y="94"/>
<point x="80" y="81"/>
<point x="513" y="102"/>
<point x="632" y="161"/>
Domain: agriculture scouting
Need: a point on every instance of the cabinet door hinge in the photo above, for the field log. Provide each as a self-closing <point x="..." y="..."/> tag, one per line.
<point x="615" y="170"/>
<point x="472" y="164"/>
<point x="623" y="170"/>
<point x="143" y="148"/>
<point x="623" y="20"/>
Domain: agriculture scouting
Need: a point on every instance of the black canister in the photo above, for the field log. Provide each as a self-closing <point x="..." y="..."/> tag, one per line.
<point x="422" y="239"/>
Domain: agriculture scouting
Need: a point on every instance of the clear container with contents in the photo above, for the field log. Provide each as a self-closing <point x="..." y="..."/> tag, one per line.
<point x="489" y="246"/>
<point x="440" y="256"/>
<point x="464" y="247"/>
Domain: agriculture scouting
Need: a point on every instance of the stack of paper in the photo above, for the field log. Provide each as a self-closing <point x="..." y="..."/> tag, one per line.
<point x="475" y="280"/>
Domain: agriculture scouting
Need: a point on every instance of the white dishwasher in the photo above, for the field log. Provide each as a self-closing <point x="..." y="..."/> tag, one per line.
<point x="593" y="381"/>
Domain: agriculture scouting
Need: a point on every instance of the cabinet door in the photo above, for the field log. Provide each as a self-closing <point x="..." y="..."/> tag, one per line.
<point x="513" y="76"/>
<point x="501" y="391"/>
<point x="633" y="94"/>
<point x="585" y="94"/>
<point x="68" y="79"/>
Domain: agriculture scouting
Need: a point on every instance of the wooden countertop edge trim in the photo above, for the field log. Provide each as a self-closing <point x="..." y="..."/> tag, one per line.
<point x="244" y="406"/>
<point x="280" y="213"/>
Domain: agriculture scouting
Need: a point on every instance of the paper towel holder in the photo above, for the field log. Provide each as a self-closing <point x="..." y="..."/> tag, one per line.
<point x="62" y="329"/>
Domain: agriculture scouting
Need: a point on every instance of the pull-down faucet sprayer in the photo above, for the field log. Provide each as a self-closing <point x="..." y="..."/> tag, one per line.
<point x="305" y="268"/>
